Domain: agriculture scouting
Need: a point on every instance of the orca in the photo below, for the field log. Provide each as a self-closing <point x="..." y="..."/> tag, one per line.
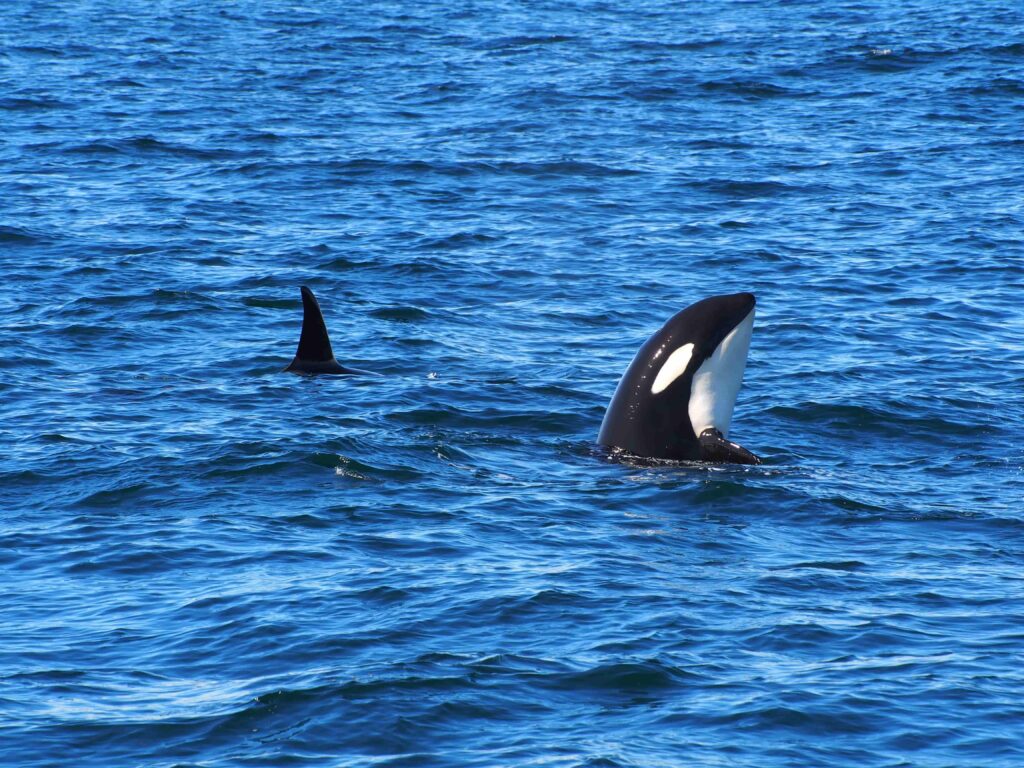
<point x="314" y="355"/>
<point x="675" y="400"/>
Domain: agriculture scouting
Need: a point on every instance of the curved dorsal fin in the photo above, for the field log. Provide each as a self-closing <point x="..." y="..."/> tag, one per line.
<point x="314" y="354"/>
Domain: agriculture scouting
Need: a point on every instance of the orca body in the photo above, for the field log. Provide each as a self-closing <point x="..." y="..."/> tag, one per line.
<point x="314" y="355"/>
<point x="675" y="401"/>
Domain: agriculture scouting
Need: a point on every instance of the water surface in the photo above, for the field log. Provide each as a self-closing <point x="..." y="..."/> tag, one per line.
<point x="209" y="563"/>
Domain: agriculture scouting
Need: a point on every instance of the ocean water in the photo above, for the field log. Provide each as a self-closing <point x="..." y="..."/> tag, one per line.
<point x="206" y="562"/>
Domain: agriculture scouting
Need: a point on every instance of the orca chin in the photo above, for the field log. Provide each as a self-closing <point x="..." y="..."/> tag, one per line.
<point x="714" y="448"/>
<point x="314" y="355"/>
<point x="675" y="400"/>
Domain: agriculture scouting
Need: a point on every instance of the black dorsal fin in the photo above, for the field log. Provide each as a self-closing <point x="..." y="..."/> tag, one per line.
<point x="314" y="354"/>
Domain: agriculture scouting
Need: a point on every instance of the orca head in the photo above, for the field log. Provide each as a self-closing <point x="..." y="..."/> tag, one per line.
<point x="683" y="381"/>
<point x="708" y="344"/>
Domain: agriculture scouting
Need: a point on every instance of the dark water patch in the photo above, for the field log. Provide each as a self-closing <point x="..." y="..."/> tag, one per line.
<point x="808" y="719"/>
<point x="720" y="143"/>
<point x="32" y="104"/>
<point x="366" y="167"/>
<point x="125" y="82"/>
<point x="29" y="361"/>
<point x="753" y="89"/>
<point x="41" y="50"/>
<point x="1008" y="49"/>
<point x="646" y="679"/>
<point x="846" y="565"/>
<point x="666" y="45"/>
<point x="525" y="41"/>
<point x="494" y="418"/>
<point x="750" y="188"/>
<point x="1000" y="86"/>
<point x="156" y="303"/>
<point x="345" y="263"/>
<point x="891" y="420"/>
<point x="252" y="301"/>
<point x="12" y="236"/>
<point x="305" y="521"/>
<point x="515" y="664"/>
<point x="405" y="546"/>
<point x="401" y="314"/>
<point x="131" y="560"/>
<point x="146" y="145"/>
<point x="244" y="465"/>
<point x="656" y="93"/>
<point x="565" y="168"/>
<point x="455" y="241"/>
<point x="114" y="498"/>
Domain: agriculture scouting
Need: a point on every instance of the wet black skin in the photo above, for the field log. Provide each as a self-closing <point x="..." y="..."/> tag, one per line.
<point x="314" y="355"/>
<point x="717" y="450"/>
<point x="658" y="426"/>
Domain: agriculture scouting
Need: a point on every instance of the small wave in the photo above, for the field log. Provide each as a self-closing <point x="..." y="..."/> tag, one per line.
<point x="565" y="168"/>
<point x="809" y="718"/>
<point x="41" y="50"/>
<point x="686" y="45"/>
<point x="720" y="143"/>
<point x="656" y="93"/>
<point x="755" y="89"/>
<point x="159" y="301"/>
<point x="255" y="301"/>
<point x="884" y="59"/>
<point x="1010" y="49"/>
<point x="125" y="82"/>
<point x="890" y="419"/>
<point x="419" y="547"/>
<point x="639" y="677"/>
<point x="455" y="241"/>
<point x="28" y="104"/>
<point x="307" y="520"/>
<point x="525" y="41"/>
<point x="750" y="189"/>
<point x="113" y="497"/>
<point x="21" y="236"/>
<point x="345" y="264"/>
<point x="406" y="314"/>
<point x="793" y="636"/>
<point x="490" y="419"/>
<point x="150" y="145"/>
<point x="1000" y="86"/>
<point x="842" y="565"/>
<point x="540" y="169"/>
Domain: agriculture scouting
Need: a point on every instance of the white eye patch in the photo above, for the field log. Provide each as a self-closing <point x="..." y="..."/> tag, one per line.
<point x="672" y="369"/>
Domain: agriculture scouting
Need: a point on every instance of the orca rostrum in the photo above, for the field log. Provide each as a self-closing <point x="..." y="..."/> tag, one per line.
<point x="675" y="401"/>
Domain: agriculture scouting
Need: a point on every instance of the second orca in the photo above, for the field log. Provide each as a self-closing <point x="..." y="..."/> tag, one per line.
<point x="675" y="401"/>
<point x="315" y="355"/>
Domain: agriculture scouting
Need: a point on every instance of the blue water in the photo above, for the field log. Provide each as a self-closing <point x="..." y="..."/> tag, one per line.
<point x="206" y="562"/>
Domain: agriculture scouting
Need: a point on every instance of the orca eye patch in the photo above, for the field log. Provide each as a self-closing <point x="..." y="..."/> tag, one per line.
<point x="672" y="369"/>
